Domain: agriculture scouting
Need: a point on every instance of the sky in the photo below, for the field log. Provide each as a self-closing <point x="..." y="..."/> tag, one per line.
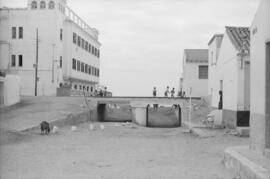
<point x="143" y="40"/>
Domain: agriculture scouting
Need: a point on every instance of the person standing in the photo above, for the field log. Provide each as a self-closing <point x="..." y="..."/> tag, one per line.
<point x="154" y="92"/>
<point x="172" y="93"/>
<point x="167" y="92"/>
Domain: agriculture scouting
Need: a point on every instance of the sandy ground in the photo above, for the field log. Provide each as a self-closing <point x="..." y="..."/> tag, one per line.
<point x="116" y="152"/>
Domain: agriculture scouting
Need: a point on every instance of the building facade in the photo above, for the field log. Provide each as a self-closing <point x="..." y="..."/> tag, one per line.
<point x="67" y="49"/>
<point x="213" y="54"/>
<point x="230" y="75"/>
<point x="260" y="80"/>
<point x="195" y="72"/>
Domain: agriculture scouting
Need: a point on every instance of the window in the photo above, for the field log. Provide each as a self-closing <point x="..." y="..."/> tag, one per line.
<point x="93" y="50"/>
<point x="74" y="38"/>
<point x="78" y="66"/>
<point x="13" y="32"/>
<point x="61" y="34"/>
<point x="79" y="41"/>
<point x="83" y="43"/>
<point x="98" y="53"/>
<point x="89" y="48"/>
<point x="20" y="60"/>
<point x="42" y="5"/>
<point x="89" y="69"/>
<point x="91" y="89"/>
<point x="61" y="62"/>
<point x="86" y="68"/>
<point x="98" y="72"/>
<point x="86" y="46"/>
<point x="203" y="72"/>
<point x="83" y="88"/>
<point x="20" y="32"/>
<point x="51" y="5"/>
<point x="75" y="87"/>
<point x="13" y="60"/>
<point x="87" y="89"/>
<point x="73" y="64"/>
<point x="80" y="87"/>
<point x="82" y="67"/>
<point x="34" y="5"/>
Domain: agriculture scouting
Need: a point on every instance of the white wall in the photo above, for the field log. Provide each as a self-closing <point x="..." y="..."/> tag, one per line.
<point x="260" y="34"/>
<point x="191" y="80"/>
<point x="227" y="71"/>
<point x="10" y="89"/>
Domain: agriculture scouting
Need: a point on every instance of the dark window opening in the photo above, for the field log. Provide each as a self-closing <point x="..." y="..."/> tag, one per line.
<point x="13" y="60"/>
<point x="74" y="38"/>
<point x="61" y="62"/>
<point x="20" y="60"/>
<point x="34" y="5"/>
<point x="13" y="32"/>
<point x="86" y="68"/>
<point x="73" y="64"/>
<point x="20" y="32"/>
<point x="203" y="72"/>
<point x="51" y="5"/>
<point x="82" y="67"/>
<point x="42" y="5"/>
<point x="78" y="66"/>
<point x="61" y="34"/>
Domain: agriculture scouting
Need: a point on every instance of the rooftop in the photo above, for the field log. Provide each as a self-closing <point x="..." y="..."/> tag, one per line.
<point x="240" y="37"/>
<point x="214" y="36"/>
<point x="196" y="55"/>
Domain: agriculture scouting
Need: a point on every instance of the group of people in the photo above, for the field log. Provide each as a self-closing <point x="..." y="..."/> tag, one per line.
<point x="169" y="93"/>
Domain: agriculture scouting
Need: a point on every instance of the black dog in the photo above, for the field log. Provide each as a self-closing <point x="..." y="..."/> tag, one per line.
<point x="45" y="128"/>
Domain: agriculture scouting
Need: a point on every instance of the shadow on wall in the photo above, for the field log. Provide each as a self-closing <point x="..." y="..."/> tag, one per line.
<point x="114" y="113"/>
<point x="164" y="116"/>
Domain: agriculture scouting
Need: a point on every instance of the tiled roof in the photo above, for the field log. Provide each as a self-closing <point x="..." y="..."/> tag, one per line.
<point x="240" y="37"/>
<point x="219" y="36"/>
<point x="196" y="55"/>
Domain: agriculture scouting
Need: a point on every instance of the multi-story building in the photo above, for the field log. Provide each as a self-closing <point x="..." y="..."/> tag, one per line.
<point x="195" y="72"/>
<point x="48" y="31"/>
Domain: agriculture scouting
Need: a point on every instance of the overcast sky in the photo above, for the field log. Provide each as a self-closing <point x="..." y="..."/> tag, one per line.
<point x="143" y="40"/>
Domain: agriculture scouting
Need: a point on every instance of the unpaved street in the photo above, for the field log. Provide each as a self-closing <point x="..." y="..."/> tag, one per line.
<point x="116" y="152"/>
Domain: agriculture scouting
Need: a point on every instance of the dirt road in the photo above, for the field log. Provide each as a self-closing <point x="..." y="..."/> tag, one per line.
<point x="116" y="152"/>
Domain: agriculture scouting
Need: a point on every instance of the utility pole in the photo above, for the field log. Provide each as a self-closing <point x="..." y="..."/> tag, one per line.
<point x="36" y="65"/>
<point x="53" y="64"/>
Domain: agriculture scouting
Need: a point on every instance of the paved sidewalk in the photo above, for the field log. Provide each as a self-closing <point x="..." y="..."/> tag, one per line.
<point x="32" y="110"/>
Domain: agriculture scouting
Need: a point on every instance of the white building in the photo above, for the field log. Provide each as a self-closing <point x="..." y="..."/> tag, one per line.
<point x="68" y="49"/>
<point x="230" y="73"/>
<point x="195" y="72"/>
<point x="213" y="54"/>
<point x="260" y="80"/>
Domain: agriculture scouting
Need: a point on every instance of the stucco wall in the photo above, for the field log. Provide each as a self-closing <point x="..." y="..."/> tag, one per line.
<point x="260" y="34"/>
<point x="191" y="80"/>
<point x="227" y="71"/>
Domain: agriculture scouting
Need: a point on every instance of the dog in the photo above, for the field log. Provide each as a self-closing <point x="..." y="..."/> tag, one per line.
<point x="45" y="128"/>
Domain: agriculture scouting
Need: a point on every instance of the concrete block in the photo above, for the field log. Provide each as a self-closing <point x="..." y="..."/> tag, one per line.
<point x="245" y="163"/>
<point x="243" y="131"/>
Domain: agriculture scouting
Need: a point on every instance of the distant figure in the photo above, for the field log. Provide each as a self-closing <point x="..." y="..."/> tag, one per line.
<point x="220" y="100"/>
<point x="167" y="92"/>
<point x="154" y="92"/>
<point x="172" y="93"/>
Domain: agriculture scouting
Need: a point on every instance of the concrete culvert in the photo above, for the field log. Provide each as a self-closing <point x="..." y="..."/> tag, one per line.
<point x="114" y="113"/>
<point x="163" y="117"/>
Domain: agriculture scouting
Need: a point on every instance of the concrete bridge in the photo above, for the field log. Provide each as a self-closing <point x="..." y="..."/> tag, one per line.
<point x="140" y="105"/>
